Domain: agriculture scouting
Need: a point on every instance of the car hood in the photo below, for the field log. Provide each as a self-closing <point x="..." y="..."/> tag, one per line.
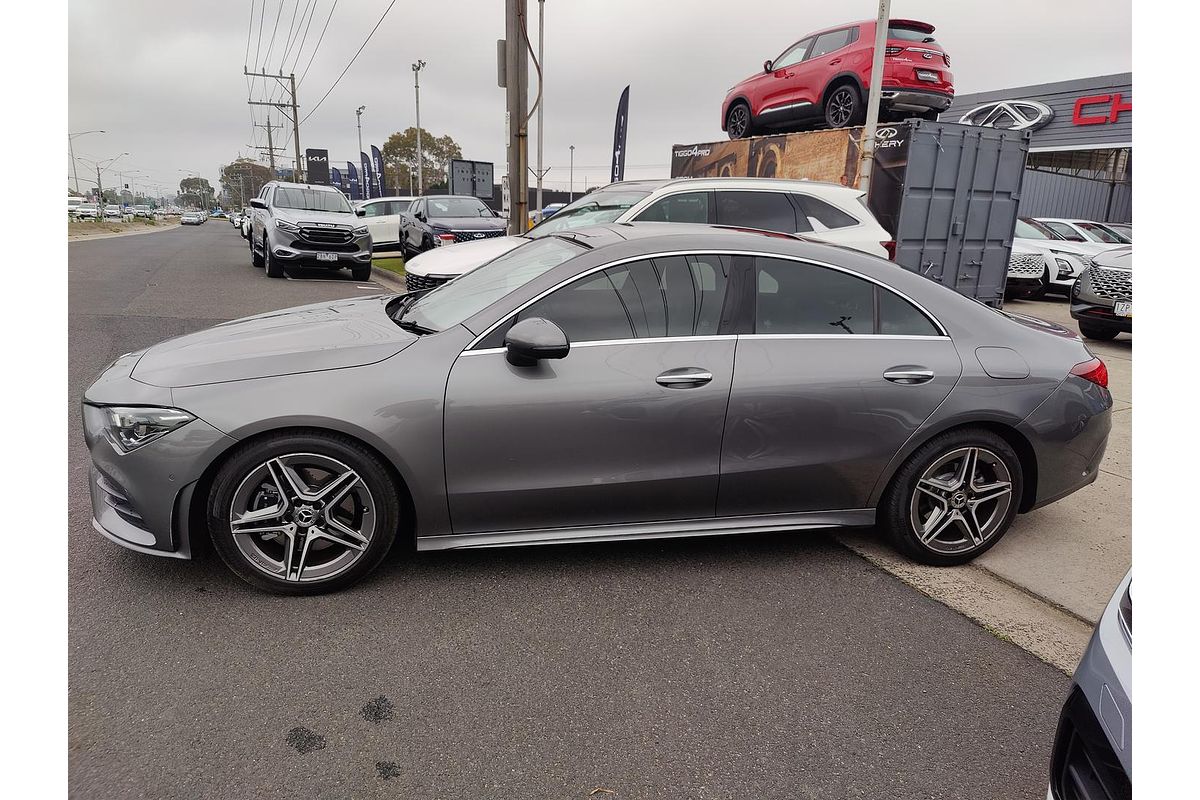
<point x="1074" y="248"/>
<point x="454" y="260"/>
<point x="1117" y="258"/>
<point x="349" y="333"/>
<point x="468" y="223"/>
<point x="301" y="216"/>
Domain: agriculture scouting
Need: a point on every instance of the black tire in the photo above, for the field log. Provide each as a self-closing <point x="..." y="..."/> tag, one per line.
<point x="1101" y="333"/>
<point x="361" y="272"/>
<point x="739" y="122"/>
<point x="255" y="258"/>
<point x="844" y="107"/>
<point x="897" y="509"/>
<point x="273" y="265"/>
<point x="1040" y="292"/>
<point x="374" y="479"/>
<point x="930" y="116"/>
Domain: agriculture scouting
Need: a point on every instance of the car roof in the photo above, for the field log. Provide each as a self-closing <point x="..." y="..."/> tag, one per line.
<point x="290" y="185"/>
<point x="783" y="184"/>
<point x="392" y="197"/>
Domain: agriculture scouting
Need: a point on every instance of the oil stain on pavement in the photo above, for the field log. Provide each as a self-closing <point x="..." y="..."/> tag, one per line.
<point x="305" y="741"/>
<point x="378" y="710"/>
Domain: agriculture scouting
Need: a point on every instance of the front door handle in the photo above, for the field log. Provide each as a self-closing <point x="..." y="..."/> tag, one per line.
<point x="684" y="377"/>
<point x="835" y="61"/>
<point x="909" y="375"/>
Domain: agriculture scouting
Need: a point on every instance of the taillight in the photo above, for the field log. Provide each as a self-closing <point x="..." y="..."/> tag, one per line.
<point x="890" y="246"/>
<point x="946" y="58"/>
<point x="1093" y="370"/>
<point x="893" y="51"/>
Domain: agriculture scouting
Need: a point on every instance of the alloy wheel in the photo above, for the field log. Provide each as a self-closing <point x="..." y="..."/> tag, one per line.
<point x="739" y="121"/>
<point x="840" y="107"/>
<point x="961" y="500"/>
<point x="302" y="517"/>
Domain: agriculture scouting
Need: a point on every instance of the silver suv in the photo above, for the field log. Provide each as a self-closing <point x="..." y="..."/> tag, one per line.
<point x="298" y="225"/>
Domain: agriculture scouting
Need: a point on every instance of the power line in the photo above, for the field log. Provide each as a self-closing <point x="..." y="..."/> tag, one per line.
<point x="262" y="13"/>
<point x="320" y="39"/>
<point x="291" y="29"/>
<point x="274" y="31"/>
<point x="352" y="60"/>
<point x="300" y="50"/>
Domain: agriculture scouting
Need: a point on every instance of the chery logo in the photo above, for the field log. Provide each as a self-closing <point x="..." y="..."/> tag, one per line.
<point x="1014" y="115"/>
<point x="1100" y="109"/>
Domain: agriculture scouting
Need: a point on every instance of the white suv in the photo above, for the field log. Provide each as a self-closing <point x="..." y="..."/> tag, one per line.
<point x="824" y="212"/>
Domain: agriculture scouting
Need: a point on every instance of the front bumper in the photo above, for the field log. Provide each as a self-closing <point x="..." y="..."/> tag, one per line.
<point x="309" y="258"/>
<point x="142" y="500"/>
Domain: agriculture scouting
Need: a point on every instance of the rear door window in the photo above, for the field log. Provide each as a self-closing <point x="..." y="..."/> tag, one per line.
<point x="683" y="207"/>
<point x="769" y="211"/>
<point x="898" y="317"/>
<point x="798" y="298"/>
<point x="828" y="42"/>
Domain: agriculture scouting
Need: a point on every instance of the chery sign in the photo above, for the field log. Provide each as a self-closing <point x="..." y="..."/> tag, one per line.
<point x="1100" y="109"/>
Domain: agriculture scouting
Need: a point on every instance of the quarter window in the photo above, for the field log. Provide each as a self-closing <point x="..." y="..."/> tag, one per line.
<point x="823" y="216"/>
<point x="771" y="211"/>
<point x="898" y="317"/>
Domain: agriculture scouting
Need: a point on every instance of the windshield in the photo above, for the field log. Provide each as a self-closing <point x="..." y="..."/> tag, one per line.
<point x="311" y="199"/>
<point x="457" y="207"/>
<point x="1101" y="233"/>
<point x="453" y="302"/>
<point x="1031" y="229"/>
<point x="596" y="208"/>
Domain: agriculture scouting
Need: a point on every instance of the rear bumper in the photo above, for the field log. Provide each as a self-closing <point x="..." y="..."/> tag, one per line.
<point x="905" y="98"/>
<point x="1069" y="434"/>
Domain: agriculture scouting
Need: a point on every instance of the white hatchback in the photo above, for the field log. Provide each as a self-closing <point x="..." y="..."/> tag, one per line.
<point x="823" y="212"/>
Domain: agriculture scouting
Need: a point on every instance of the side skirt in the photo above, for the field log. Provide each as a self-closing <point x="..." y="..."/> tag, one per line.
<point x="714" y="526"/>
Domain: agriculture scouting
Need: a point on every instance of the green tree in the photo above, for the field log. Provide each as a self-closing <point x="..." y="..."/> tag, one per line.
<point x="400" y="158"/>
<point x="243" y="179"/>
<point x="200" y="190"/>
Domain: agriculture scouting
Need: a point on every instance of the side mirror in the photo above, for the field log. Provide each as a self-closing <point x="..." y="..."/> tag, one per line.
<point x="533" y="339"/>
<point x="256" y="203"/>
<point x="362" y="212"/>
<point x="419" y="215"/>
<point x="767" y="65"/>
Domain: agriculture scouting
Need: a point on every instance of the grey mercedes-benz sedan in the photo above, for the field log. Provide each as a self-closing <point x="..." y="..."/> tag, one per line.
<point x="619" y="382"/>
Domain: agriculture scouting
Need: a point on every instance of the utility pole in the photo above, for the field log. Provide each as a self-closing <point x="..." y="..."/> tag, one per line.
<point x="541" y="173"/>
<point x="417" y="67"/>
<point x="571" y="196"/>
<point x="99" y="194"/>
<point x="270" y="148"/>
<point x="294" y="106"/>
<point x="71" y="150"/>
<point x="516" y="83"/>
<point x="867" y="149"/>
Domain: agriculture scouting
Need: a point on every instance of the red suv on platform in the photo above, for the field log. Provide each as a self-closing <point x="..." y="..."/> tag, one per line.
<point x="824" y="78"/>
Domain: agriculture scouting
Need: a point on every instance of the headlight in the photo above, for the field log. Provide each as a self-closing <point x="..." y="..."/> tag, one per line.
<point x="131" y="428"/>
<point x="361" y="230"/>
<point x="284" y="225"/>
<point x="1064" y="268"/>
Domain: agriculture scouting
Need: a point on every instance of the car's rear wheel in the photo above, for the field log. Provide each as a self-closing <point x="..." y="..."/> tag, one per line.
<point x="1101" y="333"/>
<point x="303" y="513"/>
<point x="274" y="265"/>
<point x="844" y="107"/>
<point x="954" y="498"/>
<point x="737" y="121"/>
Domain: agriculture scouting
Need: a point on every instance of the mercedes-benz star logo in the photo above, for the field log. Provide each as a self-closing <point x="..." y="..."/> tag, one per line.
<point x="1015" y="115"/>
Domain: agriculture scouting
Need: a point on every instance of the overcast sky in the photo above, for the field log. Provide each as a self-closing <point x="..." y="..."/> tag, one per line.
<point x="165" y="79"/>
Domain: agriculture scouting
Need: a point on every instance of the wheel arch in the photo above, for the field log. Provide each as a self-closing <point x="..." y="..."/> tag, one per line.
<point x="197" y="512"/>
<point x="844" y="79"/>
<point x="741" y="98"/>
<point x="1002" y="428"/>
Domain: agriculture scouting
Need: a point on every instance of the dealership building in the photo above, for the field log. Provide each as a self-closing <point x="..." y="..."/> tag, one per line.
<point x="1080" y="154"/>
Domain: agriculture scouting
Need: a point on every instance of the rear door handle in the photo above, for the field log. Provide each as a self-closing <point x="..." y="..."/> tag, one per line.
<point x="684" y="377"/>
<point x="835" y="61"/>
<point x="909" y="375"/>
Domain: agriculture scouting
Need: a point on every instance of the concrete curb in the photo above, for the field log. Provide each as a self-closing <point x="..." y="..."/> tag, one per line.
<point x="388" y="279"/>
<point x="122" y="233"/>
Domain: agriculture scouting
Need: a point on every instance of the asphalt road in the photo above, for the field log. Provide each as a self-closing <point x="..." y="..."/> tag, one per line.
<point x="770" y="667"/>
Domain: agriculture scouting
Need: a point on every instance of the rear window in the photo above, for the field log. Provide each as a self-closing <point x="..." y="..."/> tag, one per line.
<point x="909" y="34"/>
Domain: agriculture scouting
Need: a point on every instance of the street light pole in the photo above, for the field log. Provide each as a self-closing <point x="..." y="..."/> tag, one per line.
<point x="571" y="198"/>
<point x="541" y="102"/>
<point x="417" y="67"/>
<point x="363" y="183"/>
<point x="71" y="150"/>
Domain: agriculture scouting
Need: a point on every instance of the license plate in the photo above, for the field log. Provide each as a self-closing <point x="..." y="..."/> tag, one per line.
<point x="326" y="256"/>
<point x="1123" y="309"/>
<point x="927" y="75"/>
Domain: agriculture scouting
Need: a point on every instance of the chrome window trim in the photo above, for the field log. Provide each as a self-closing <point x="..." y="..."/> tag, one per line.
<point x="870" y="336"/>
<point x="715" y="252"/>
<point x="724" y="337"/>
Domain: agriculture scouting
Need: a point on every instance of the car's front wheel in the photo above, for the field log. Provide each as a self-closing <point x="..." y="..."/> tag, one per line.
<point x="303" y="513"/>
<point x="954" y="498"/>
<point x="737" y="121"/>
<point x="273" y="265"/>
<point x="361" y="272"/>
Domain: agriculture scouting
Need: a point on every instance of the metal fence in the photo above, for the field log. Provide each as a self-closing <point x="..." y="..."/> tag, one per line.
<point x="1052" y="194"/>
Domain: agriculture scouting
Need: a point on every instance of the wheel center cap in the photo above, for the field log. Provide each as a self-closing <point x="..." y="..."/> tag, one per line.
<point x="958" y="500"/>
<point x="305" y="515"/>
